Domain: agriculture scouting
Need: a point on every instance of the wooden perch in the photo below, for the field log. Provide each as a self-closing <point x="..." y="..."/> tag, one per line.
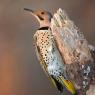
<point x="78" y="55"/>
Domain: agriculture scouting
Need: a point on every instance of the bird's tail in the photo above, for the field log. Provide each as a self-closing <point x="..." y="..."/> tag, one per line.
<point x="61" y="83"/>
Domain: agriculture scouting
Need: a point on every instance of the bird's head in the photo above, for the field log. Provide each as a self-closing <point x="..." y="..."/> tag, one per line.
<point x="43" y="17"/>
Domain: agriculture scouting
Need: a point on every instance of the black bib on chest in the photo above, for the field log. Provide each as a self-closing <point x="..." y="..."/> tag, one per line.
<point x="44" y="28"/>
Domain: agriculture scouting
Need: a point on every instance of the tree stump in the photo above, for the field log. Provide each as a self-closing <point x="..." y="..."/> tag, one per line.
<point x="78" y="55"/>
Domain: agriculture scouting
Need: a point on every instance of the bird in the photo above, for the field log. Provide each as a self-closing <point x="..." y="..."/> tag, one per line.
<point x="48" y="53"/>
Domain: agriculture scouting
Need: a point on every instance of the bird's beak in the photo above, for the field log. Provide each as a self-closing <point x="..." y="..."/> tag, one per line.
<point x="29" y="10"/>
<point x="34" y="13"/>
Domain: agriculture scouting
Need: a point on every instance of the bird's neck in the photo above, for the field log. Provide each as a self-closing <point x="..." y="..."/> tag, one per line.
<point x="45" y="24"/>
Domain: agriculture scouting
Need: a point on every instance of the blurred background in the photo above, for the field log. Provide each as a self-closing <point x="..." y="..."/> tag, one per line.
<point x="20" y="72"/>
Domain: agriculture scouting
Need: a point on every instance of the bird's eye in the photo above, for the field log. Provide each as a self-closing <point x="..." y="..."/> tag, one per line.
<point x="42" y="13"/>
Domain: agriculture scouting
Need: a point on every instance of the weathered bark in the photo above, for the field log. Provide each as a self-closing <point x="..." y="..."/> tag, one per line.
<point x="91" y="90"/>
<point x="76" y="53"/>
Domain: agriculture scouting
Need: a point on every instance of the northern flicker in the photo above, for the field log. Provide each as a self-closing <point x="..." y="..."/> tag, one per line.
<point x="64" y="53"/>
<point x="49" y="55"/>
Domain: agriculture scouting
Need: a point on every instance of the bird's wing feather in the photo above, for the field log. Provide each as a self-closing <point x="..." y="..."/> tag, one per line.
<point x="51" y="60"/>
